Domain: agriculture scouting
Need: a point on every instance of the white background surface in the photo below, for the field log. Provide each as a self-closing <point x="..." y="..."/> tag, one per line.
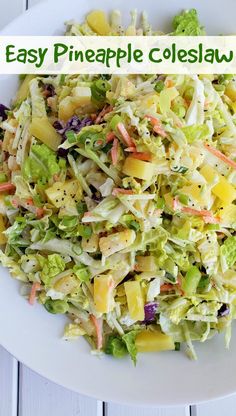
<point x="24" y="393"/>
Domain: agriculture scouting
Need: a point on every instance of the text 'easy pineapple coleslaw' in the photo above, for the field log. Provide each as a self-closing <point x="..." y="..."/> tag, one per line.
<point x="118" y="200"/>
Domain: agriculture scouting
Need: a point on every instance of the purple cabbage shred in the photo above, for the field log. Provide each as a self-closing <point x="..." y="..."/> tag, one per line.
<point x="223" y="311"/>
<point x="150" y="310"/>
<point x="3" y="114"/>
<point x="73" y="124"/>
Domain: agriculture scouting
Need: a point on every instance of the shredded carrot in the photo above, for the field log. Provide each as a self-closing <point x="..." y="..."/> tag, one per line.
<point x="157" y="127"/>
<point x="130" y="149"/>
<point x="29" y="201"/>
<point x="93" y="116"/>
<point x="98" y="328"/>
<point x="220" y="235"/>
<point x="117" y="191"/>
<point x="153" y="120"/>
<point x="56" y="178"/>
<point x="39" y="212"/>
<point x="142" y="156"/>
<point x="15" y="203"/>
<point x="114" y="151"/>
<point x="102" y="113"/>
<point x="187" y="102"/>
<point x="160" y="131"/>
<point x="35" y="287"/>
<point x="166" y="287"/>
<point x="200" y="213"/>
<point x="179" y="124"/>
<point x="175" y="203"/>
<point x="179" y="285"/>
<point x="220" y="156"/>
<point x="206" y="215"/>
<point x="211" y="220"/>
<point x="169" y="83"/>
<point x="88" y="214"/>
<point x="206" y="104"/>
<point x="7" y="186"/>
<point x="110" y="136"/>
<point x="125" y="135"/>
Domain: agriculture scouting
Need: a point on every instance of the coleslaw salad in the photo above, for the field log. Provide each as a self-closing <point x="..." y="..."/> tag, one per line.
<point x="117" y="200"/>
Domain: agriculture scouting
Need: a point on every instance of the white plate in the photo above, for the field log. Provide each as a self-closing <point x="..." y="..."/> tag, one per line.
<point x="33" y="335"/>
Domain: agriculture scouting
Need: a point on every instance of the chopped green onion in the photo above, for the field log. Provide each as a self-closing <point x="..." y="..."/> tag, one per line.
<point x="159" y="86"/>
<point x="204" y="282"/>
<point x="191" y="281"/>
<point x="219" y="88"/>
<point x="179" y="169"/>
<point x="106" y="76"/>
<point x="99" y="89"/>
<point x="85" y="230"/>
<point x="82" y="272"/>
<point x="170" y="277"/>
<point x="184" y="199"/>
<point x="81" y="207"/>
<point x="213" y="227"/>
<point x="3" y="177"/>
<point x="71" y="136"/>
<point x="107" y="147"/>
<point x="179" y="110"/>
<point x="56" y="306"/>
<point x="62" y="79"/>
<point x="114" y="121"/>
<point x="225" y="77"/>
<point x="68" y="222"/>
<point x="177" y="346"/>
<point x="160" y="203"/>
<point x="134" y="225"/>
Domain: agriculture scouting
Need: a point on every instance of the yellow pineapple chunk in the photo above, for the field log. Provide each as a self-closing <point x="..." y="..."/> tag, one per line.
<point x="194" y="192"/>
<point x="23" y="91"/>
<point x="145" y="264"/>
<point x="3" y="238"/>
<point x="138" y="169"/>
<point x="82" y="95"/>
<point x="135" y="300"/>
<point x="227" y="214"/>
<point x="42" y="129"/>
<point x="69" y="105"/>
<point x="166" y="97"/>
<point x="151" y="341"/>
<point x="90" y="244"/>
<point x="229" y="279"/>
<point x="223" y="189"/>
<point x="98" y="22"/>
<point x="67" y="108"/>
<point x="64" y="193"/>
<point x="116" y="242"/>
<point x="230" y="91"/>
<point x="67" y="284"/>
<point x="168" y="200"/>
<point x="150" y="101"/>
<point x="102" y="292"/>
